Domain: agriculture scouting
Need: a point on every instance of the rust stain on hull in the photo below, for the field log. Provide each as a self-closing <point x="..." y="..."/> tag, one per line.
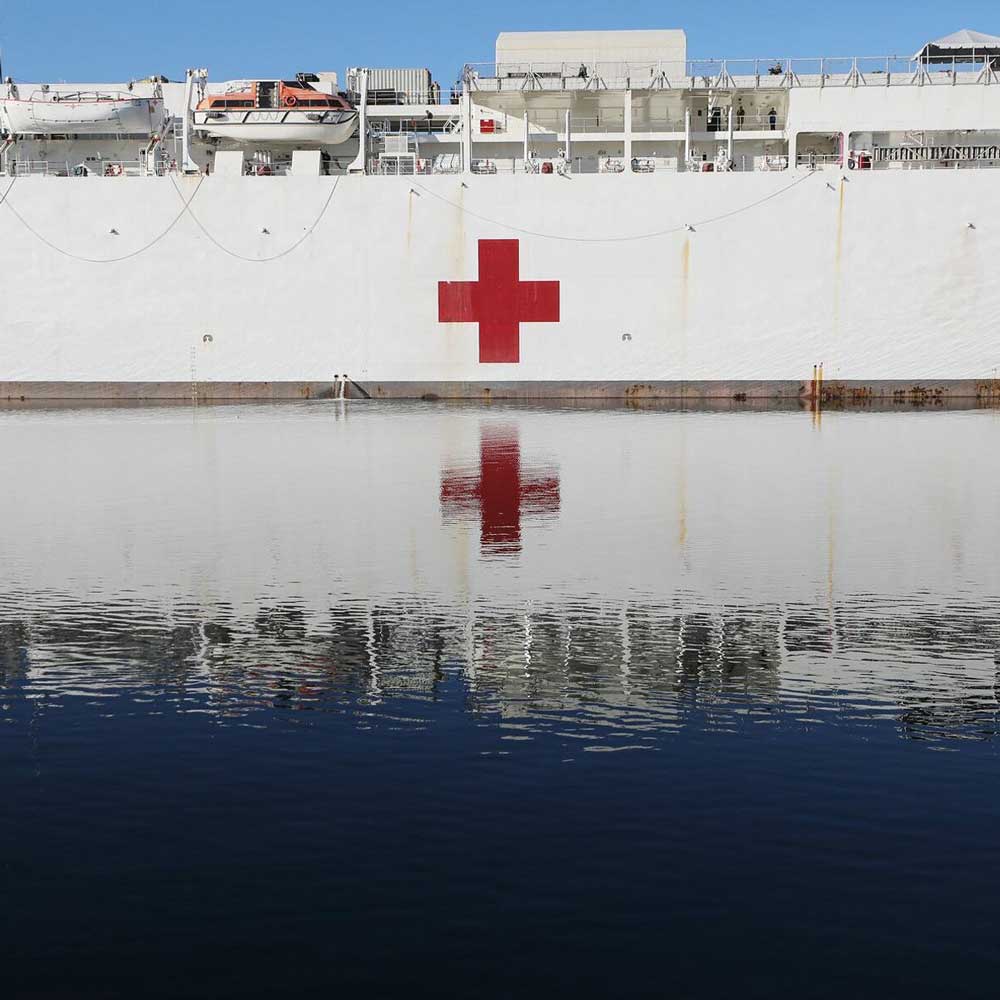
<point x="685" y="300"/>
<point x="838" y="253"/>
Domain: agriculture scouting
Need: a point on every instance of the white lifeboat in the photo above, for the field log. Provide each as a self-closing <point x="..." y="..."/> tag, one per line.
<point x="276" y="111"/>
<point x="48" y="112"/>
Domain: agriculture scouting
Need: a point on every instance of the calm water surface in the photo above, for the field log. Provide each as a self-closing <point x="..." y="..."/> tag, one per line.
<point x="498" y="702"/>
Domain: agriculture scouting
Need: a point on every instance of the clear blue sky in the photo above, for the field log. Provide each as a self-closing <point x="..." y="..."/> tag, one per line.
<point x="93" y="40"/>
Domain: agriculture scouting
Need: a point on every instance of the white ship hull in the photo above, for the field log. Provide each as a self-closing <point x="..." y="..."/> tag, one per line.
<point x="881" y="278"/>
<point x="131" y="116"/>
<point x="303" y="128"/>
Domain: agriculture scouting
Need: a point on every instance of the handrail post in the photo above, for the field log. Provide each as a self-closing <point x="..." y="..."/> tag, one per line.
<point x="628" y="130"/>
<point x="466" y="128"/>
<point x="188" y="164"/>
<point x="360" y="164"/>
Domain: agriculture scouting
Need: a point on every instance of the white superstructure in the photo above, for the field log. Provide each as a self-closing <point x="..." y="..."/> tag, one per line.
<point x="593" y="213"/>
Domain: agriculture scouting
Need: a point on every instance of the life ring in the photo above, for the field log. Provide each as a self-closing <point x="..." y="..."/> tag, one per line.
<point x="291" y="100"/>
<point x="114" y="170"/>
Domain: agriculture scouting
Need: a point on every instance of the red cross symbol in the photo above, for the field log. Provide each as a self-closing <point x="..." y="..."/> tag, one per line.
<point x="499" y="301"/>
<point x="500" y="494"/>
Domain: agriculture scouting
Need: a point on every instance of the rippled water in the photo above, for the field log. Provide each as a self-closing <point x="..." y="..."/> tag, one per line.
<point x="498" y="701"/>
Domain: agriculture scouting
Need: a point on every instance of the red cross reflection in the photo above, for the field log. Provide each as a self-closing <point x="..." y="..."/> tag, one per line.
<point x="501" y="494"/>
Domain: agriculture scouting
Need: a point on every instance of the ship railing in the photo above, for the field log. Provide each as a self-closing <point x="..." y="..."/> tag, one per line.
<point x="432" y="96"/>
<point x="111" y="168"/>
<point x="554" y="121"/>
<point x="747" y="122"/>
<point x="777" y="73"/>
<point x="615" y="123"/>
<point x="88" y="168"/>
<point x="937" y="157"/>
<point x="410" y="165"/>
<point x="40" y="168"/>
<point x="252" y="169"/>
<point x="555" y="166"/>
<point x="119" y="168"/>
<point x="603" y="164"/>
<point x="752" y="122"/>
<point x="769" y="162"/>
<point x="942" y="164"/>
<point x="582" y="76"/>
<point x="603" y="123"/>
<point x="819" y="161"/>
<point x="659" y="125"/>
<point x="740" y="163"/>
<point x="415" y="126"/>
<point x="639" y="165"/>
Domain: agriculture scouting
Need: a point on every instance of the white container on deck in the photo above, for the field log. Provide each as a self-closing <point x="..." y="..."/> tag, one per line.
<point x="409" y="86"/>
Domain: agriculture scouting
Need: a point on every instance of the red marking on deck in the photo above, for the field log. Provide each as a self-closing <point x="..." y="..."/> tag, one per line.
<point x="499" y="301"/>
<point x="501" y="494"/>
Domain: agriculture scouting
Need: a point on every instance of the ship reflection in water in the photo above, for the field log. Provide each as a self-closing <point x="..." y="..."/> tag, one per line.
<point x="500" y="494"/>
<point x="611" y="674"/>
<point x="352" y="673"/>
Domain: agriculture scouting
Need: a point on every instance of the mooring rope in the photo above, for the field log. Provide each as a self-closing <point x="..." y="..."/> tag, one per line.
<point x="262" y="260"/>
<point x="186" y="209"/>
<point x="97" y="260"/>
<point x="689" y="226"/>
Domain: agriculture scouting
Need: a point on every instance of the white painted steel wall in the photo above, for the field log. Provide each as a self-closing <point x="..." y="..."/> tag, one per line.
<point x="879" y="276"/>
<point x="668" y="46"/>
<point x="877" y="108"/>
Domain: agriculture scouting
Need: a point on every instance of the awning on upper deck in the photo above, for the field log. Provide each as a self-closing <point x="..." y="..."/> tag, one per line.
<point x="962" y="45"/>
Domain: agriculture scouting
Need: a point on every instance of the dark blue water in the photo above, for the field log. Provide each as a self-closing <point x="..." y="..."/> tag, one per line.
<point x="349" y="732"/>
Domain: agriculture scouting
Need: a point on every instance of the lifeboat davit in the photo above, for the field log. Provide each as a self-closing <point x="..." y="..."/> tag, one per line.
<point x="276" y="111"/>
<point x="48" y="112"/>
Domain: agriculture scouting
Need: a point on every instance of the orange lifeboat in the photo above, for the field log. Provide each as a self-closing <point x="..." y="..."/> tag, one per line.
<point x="278" y="112"/>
